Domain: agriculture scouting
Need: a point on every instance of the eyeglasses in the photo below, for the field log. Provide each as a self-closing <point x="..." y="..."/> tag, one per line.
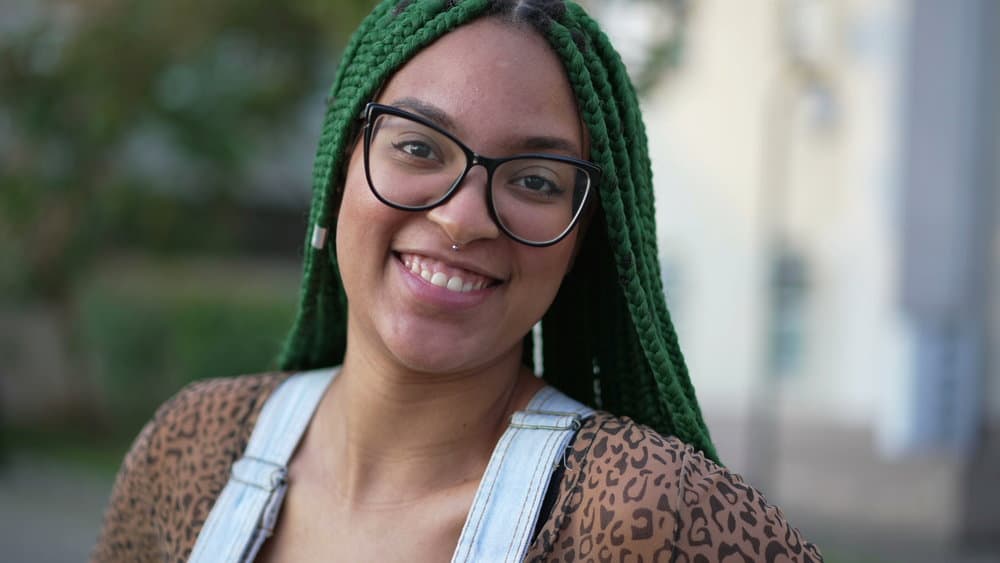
<point x="414" y="165"/>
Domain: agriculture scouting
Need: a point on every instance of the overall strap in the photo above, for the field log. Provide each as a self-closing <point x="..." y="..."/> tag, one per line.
<point x="245" y="513"/>
<point x="506" y="506"/>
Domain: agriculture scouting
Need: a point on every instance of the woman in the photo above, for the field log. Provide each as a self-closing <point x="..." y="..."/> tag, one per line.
<point x="427" y="267"/>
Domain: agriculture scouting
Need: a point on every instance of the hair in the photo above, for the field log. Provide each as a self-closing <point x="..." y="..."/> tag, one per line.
<point x="607" y="338"/>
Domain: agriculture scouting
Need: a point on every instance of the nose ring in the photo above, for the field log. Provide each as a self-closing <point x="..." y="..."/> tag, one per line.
<point x="455" y="247"/>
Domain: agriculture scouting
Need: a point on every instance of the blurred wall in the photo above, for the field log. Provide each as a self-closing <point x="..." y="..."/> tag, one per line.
<point x="819" y="165"/>
<point x="740" y="118"/>
<point x="948" y="180"/>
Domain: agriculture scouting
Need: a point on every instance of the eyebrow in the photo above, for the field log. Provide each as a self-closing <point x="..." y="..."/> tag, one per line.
<point x="550" y="144"/>
<point x="430" y="111"/>
<point x="440" y="117"/>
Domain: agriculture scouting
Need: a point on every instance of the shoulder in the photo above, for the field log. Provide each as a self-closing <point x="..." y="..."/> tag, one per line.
<point x="204" y="427"/>
<point x="195" y="438"/>
<point x="629" y="471"/>
<point x="213" y="408"/>
<point x="630" y="491"/>
<point x="178" y="465"/>
<point x="619" y="443"/>
<point x="617" y="496"/>
<point x="722" y="516"/>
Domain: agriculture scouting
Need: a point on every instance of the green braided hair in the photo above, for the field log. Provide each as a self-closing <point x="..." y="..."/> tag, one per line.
<point x="607" y="339"/>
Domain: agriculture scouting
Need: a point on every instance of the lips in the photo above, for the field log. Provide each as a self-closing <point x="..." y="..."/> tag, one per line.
<point x="438" y="273"/>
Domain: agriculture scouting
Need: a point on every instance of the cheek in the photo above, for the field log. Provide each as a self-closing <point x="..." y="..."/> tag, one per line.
<point x="549" y="267"/>
<point x="351" y="214"/>
<point x="359" y="209"/>
<point x="354" y="192"/>
<point x="362" y="224"/>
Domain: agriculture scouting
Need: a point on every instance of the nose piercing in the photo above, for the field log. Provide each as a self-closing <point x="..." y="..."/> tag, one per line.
<point x="455" y="247"/>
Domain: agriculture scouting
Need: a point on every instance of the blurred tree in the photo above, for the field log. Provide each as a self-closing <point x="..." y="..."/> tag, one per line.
<point x="102" y="97"/>
<point x="135" y="123"/>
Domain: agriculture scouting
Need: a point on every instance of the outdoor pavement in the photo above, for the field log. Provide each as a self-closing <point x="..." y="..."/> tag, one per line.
<point x="48" y="513"/>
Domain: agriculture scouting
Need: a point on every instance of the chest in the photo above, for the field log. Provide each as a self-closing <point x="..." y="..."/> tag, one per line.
<point x="493" y="522"/>
<point x="313" y="530"/>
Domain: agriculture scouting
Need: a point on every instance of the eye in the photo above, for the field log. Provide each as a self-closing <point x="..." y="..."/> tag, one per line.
<point x="532" y="179"/>
<point x="537" y="184"/>
<point x="416" y="149"/>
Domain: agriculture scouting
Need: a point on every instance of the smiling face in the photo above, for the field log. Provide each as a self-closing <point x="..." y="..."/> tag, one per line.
<point x="414" y="301"/>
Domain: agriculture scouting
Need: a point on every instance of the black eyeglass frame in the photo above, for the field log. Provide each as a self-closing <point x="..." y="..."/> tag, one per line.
<point x="374" y="110"/>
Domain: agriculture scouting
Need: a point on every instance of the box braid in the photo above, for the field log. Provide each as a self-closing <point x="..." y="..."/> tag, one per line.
<point x="607" y="339"/>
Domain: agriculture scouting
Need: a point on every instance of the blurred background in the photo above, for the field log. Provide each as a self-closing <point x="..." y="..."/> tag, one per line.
<point x="827" y="176"/>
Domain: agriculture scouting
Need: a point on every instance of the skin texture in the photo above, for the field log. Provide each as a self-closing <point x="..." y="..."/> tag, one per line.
<point x="444" y="366"/>
<point x="499" y="87"/>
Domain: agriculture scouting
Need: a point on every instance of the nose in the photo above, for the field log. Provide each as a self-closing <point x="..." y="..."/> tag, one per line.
<point x="465" y="217"/>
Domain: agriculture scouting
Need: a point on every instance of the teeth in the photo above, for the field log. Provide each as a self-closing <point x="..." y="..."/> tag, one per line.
<point x="426" y="269"/>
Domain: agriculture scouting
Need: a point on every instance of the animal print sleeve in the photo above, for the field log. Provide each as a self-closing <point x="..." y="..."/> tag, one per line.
<point x="722" y="519"/>
<point x="177" y="467"/>
<point x="630" y="494"/>
<point x="128" y="533"/>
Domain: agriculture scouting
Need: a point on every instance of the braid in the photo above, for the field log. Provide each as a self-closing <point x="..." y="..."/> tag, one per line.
<point x="678" y="402"/>
<point x="632" y="363"/>
<point x="640" y="277"/>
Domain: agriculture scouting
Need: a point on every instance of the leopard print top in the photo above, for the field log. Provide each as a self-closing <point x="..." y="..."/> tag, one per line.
<point x="626" y="492"/>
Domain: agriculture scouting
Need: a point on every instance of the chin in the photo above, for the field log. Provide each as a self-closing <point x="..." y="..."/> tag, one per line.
<point x="444" y="355"/>
<point x="436" y="360"/>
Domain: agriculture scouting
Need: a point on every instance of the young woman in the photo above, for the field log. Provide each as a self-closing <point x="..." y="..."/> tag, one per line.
<point x="482" y="167"/>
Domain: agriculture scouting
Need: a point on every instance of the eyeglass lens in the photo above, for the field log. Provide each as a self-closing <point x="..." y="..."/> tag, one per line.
<point x="413" y="165"/>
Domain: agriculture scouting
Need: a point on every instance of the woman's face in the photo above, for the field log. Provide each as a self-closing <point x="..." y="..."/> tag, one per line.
<point x="502" y="91"/>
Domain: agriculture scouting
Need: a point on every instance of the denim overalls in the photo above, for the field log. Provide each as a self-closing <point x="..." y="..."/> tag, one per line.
<point x="503" y="514"/>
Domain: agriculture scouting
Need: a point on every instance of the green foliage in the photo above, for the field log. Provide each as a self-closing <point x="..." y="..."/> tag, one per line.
<point x="76" y="446"/>
<point x="150" y="335"/>
<point x="199" y="87"/>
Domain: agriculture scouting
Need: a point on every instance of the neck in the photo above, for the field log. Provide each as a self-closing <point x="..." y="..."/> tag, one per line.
<point x="387" y="434"/>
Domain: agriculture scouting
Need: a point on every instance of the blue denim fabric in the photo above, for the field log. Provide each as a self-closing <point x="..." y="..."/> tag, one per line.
<point x="504" y="511"/>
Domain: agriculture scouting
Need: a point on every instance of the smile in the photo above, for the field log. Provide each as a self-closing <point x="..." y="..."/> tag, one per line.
<point x="440" y="274"/>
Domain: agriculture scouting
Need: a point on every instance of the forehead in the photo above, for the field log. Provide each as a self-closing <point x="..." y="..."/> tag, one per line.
<point x="494" y="81"/>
